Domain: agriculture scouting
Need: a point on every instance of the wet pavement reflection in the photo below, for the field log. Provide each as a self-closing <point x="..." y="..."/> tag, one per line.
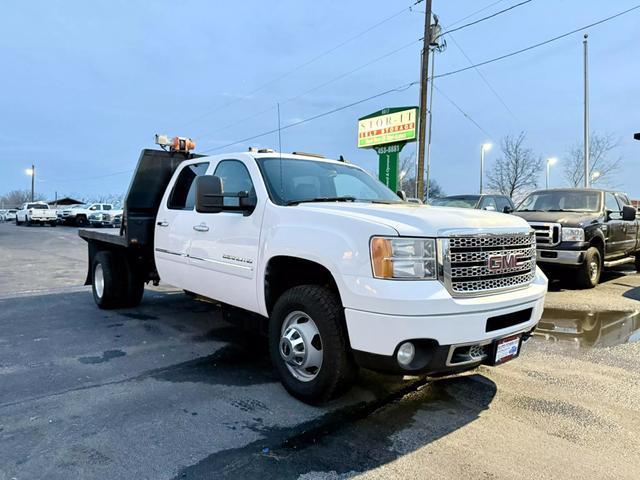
<point x="586" y="329"/>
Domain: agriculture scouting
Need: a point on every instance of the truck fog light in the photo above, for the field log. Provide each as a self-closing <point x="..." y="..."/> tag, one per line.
<point x="406" y="352"/>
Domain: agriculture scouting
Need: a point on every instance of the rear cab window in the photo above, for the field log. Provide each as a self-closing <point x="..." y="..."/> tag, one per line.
<point x="183" y="193"/>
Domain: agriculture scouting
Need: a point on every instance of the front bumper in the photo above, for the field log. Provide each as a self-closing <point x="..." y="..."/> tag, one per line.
<point x="436" y="321"/>
<point x="560" y="257"/>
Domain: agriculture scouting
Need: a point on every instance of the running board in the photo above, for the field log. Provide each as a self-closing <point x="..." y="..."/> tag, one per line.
<point x="622" y="261"/>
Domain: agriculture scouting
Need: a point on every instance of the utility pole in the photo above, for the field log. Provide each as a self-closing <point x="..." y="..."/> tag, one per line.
<point x="586" y="111"/>
<point x="424" y="75"/>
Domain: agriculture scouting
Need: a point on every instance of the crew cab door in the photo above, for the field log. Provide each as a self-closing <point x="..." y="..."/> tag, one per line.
<point x="174" y="225"/>
<point x="224" y="246"/>
<point x="629" y="227"/>
<point x="616" y="236"/>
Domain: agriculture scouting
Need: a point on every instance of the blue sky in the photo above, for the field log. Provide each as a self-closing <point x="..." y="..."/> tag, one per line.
<point x="85" y="85"/>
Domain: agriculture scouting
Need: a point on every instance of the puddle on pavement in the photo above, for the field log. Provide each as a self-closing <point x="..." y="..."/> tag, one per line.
<point x="589" y="329"/>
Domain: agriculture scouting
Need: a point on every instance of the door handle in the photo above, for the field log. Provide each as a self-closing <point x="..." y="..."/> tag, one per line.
<point x="201" y="228"/>
<point x="163" y="224"/>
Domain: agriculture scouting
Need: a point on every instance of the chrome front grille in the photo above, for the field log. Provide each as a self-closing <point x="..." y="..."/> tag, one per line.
<point x="488" y="263"/>
<point x="547" y="234"/>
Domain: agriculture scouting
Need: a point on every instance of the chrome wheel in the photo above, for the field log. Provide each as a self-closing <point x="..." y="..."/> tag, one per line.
<point x="594" y="269"/>
<point x="301" y="346"/>
<point x="98" y="280"/>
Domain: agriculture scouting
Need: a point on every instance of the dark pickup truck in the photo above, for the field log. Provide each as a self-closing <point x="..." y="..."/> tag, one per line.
<point x="583" y="229"/>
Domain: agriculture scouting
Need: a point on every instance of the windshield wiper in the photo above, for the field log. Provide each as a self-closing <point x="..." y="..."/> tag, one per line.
<point x="323" y="199"/>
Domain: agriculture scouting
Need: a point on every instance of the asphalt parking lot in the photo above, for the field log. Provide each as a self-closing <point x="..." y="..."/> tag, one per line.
<point x="170" y="390"/>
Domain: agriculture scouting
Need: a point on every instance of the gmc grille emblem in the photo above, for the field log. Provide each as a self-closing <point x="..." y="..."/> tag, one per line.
<point x="503" y="261"/>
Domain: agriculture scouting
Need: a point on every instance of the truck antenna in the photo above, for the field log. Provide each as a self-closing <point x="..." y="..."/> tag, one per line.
<point x="280" y="151"/>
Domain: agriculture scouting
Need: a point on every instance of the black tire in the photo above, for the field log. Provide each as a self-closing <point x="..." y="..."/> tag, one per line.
<point x="81" y="221"/>
<point x="638" y="262"/>
<point x="17" y="222"/>
<point x="54" y="224"/>
<point x="113" y="276"/>
<point x="589" y="272"/>
<point x="338" y="370"/>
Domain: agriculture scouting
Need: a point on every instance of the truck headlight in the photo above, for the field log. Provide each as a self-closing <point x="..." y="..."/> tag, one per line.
<point x="404" y="258"/>
<point x="572" y="234"/>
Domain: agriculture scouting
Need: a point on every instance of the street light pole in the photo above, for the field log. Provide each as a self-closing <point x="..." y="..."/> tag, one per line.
<point x="33" y="181"/>
<point x="550" y="161"/>
<point x="586" y="111"/>
<point x="484" y="147"/>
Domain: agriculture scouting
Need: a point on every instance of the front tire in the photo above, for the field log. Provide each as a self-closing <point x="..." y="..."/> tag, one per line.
<point x="81" y="221"/>
<point x="638" y="262"/>
<point x="590" y="271"/>
<point x="309" y="345"/>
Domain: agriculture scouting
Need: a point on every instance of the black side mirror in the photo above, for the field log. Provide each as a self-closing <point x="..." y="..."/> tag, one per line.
<point x="209" y="197"/>
<point x="628" y="213"/>
<point x="402" y="195"/>
<point x="507" y="209"/>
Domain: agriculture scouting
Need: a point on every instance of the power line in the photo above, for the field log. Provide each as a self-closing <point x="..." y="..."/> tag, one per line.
<point x="466" y="115"/>
<point x="485" y="80"/>
<point x="436" y="76"/>
<point x="315" y="117"/>
<point x="486" y="18"/>
<point x="94" y="177"/>
<point x="531" y="47"/>
<point x="317" y="87"/>
<point x="474" y="13"/>
<point x="308" y="62"/>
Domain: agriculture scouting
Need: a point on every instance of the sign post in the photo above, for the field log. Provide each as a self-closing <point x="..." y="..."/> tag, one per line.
<point x="387" y="131"/>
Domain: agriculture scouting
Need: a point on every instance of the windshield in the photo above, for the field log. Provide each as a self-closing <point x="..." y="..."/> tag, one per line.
<point x="461" y="201"/>
<point x="38" y="206"/>
<point x="561" y="201"/>
<point x="292" y="181"/>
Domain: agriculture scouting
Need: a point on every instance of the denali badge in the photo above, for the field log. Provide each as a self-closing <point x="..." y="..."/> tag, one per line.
<point x="503" y="261"/>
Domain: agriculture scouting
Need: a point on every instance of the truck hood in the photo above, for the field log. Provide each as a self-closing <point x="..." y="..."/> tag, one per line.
<point x="568" y="219"/>
<point x="421" y="220"/>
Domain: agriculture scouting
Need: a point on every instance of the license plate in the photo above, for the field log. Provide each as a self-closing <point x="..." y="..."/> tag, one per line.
<point x="507" y="349"/>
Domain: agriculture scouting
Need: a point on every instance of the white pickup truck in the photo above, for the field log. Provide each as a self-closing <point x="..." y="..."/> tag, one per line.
<point x="36" y="213"/>
<point x="79" y="214"/>
<point x="330" y="263"/>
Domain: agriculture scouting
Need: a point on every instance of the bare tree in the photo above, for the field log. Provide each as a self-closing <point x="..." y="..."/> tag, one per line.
<point x="518" y="169"/>
<point x="113" y="198"/>
<point x="407" y="172"/>
<point x="601" y="160"/>
<point x="18" y="197"/>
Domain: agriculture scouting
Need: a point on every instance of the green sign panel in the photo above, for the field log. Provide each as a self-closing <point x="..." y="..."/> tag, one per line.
<point x="387" y="131"/>
<point x="386" y="126"/>
<point x="388" y="156"/>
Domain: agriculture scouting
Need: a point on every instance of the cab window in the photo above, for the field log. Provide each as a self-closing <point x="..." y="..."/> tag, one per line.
<point x="183" y="194"/>
<point x="502" y="203"/>
<point x="611" y="204"/>
<point x="488" y="202"/>
<point x="235" y="179"/>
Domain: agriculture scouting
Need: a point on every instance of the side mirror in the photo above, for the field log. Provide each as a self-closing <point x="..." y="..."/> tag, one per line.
<point x="209" y="197"/>
<point x="507" y="209"/>
<point x="402" y="195"/>
<point x="628" y="213"/>
<point x="489" y="208"/>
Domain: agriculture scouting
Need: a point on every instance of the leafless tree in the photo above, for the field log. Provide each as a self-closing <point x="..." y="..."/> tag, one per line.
<point x="517" y="170"/>
<point x="16" y="198"/>
<point x="601" y="160"/>
<point x="114" y="198"/>
<point x="408" y="179"/>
